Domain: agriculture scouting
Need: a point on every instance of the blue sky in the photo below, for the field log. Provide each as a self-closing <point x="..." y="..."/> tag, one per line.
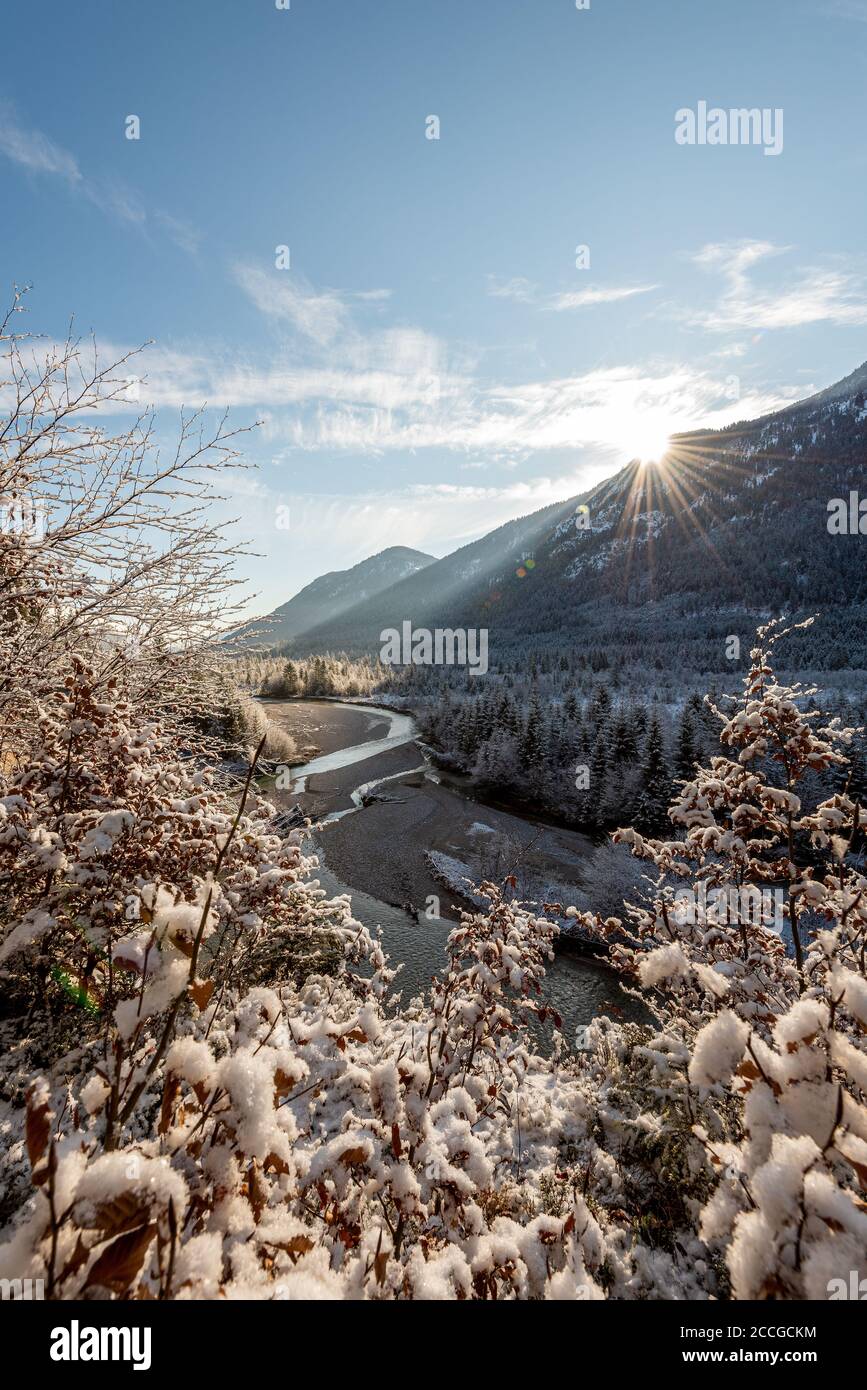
<point x="433" y="361"/>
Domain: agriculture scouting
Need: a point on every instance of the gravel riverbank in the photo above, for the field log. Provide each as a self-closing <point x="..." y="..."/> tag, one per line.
<point x="383" y="848"/>
<point x="378" y="852"/>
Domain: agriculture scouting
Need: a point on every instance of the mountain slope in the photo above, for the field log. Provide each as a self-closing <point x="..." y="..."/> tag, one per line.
<point x="431" y="595"/>
<point x="731" y="527"/>
<point x="331" y="594"/>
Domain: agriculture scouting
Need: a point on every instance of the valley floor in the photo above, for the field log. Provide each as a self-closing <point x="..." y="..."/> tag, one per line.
<point x="326" y="725"/>
<point x="384" y="851"/>
<point x="379" y="852"/>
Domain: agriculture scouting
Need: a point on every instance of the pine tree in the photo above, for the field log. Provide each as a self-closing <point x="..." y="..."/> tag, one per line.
<point x="598" y="789"/>
<point x="531" y="748"/>
<point x="507" y="714"/>
<point x="600" y="705"/>
<point x="624" y="748"/>
<point x="639" y="724"/>
<point x="655" y="782"/>
<point x="290" y="683"/>
<point x="686" y="749"/>
<point x="468" y="738"/>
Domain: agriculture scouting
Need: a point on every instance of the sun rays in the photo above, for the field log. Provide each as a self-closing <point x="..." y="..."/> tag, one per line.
<point x="677" y="485"/>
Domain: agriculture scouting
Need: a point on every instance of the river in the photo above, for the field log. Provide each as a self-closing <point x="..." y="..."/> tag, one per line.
<point x="363" y="845"/>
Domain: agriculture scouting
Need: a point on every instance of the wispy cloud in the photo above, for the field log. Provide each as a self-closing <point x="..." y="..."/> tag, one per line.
<point x="732" y="350"/>
<point x="370" y="410"/>
<point x="34" y="151"/>
<point x="336" y="381"/>
<point x="116" y="200"/>
<point x="581" y="299"/>
<point x="526" y="292"/>
<point x="520" y="290"/>
<point x="285" y="295"/>
<point x="338" y="360"/>
<point x="373" y="295"/>
<point x="432" y="517"/>
<point x="326" y="324"/>
<point x="332" y="382"/>
<point x="815" y="295"/>
<point x="182" y="233"/>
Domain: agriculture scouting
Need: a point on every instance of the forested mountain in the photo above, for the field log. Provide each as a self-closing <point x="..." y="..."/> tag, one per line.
<point x="433" y="591"/>
<point x="331" y="594"/>
<point x="661" y="563"/>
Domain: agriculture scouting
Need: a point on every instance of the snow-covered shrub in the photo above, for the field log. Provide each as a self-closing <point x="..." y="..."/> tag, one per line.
<point x="227" y="1116"/>
<point x="764" y="1051"/>
<point x="109" y="846"/>
<point x="610" y="878"/>
<point x="247" y="724"/>
<point x="308" y="1140"/>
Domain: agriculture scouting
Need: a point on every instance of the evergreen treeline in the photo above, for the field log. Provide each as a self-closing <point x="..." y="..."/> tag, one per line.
<point x="601" y="761"/>
<point x="584" y="741"/>
<point x="281" y="678"/>
<point x="597" y="763"/>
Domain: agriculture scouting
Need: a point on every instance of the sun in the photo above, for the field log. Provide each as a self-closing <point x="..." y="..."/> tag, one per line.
<point x="646" y="435"/>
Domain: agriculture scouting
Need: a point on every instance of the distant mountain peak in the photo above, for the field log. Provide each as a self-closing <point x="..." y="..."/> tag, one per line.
<point x="332" y="594"/>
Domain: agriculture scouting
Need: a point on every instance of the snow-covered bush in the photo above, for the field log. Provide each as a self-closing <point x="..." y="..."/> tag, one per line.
<point x="764" y="1051"/>
<point x="610" y="878"/>
<point x="309" y="1140"/>
<point x="246" y="724"/>
<point x="207" y="1088"/>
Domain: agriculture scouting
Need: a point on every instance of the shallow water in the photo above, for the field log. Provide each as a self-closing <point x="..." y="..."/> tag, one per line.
<point x="577" y="987"/>
<point x="401" y="730"/>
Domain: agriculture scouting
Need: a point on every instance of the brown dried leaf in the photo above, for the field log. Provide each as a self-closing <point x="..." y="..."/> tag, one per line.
<point x="257" y="1191"/>
<point x="294" y="1245"/>
<point x="283" y="1083"/>
<point x="124" y="1213"/>
<point x="201" y="990"/>
<point x="749" y="1070"/>
<point x="37" y="1125"/>
<point x="75" y="1261"/>
<point x="171" y="1086"/>
<point x="353" y="1156"/>
<point x="349" y="1236"/>
<point x="119" y="1264"/>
